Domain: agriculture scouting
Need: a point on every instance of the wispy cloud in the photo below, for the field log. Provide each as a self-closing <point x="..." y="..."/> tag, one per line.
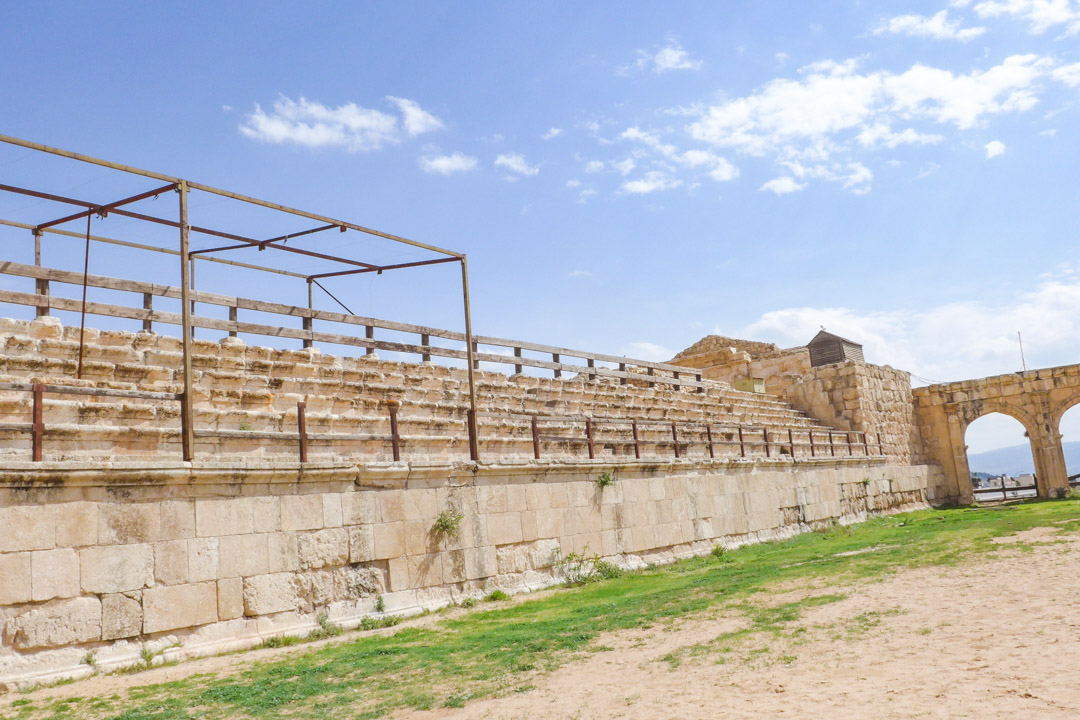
<point x="1040" y="14"/>
<point x="447" y="164"/>
<point x="665" y="59"/>
<point x="653" y="181"/>
<point x="516" y="163"/>
<point x="580" y="273"/>
<point x="552" y="133"/>
<point x="937" y="27"/>
<point x="350" y="127"/>
<point x="783" y="185"/>
<point x="994" y="148"/>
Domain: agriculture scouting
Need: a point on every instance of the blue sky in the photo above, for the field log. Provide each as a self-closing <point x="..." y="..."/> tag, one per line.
<point x="625" y="177"/>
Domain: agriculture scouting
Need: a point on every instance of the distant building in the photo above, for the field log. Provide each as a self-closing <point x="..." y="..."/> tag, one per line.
<point x="827" y="348"/>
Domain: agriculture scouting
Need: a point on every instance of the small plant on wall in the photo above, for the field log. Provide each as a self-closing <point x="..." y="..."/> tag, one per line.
<point x="447" y="524"/>
<point x="604" y="480"/>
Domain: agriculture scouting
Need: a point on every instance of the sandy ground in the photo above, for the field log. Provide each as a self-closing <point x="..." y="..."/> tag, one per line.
<point x="991" y="639"/>
<point x="994" y="638"/>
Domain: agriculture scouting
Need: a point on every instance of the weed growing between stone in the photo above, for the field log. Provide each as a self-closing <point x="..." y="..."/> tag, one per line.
<point x="501" y="649"/>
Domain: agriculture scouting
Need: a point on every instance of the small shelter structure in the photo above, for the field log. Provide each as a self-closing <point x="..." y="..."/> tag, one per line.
<point x="827" y="348"/>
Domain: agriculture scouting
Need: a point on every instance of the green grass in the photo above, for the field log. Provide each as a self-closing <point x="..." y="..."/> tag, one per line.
<point x="498" y="650"/>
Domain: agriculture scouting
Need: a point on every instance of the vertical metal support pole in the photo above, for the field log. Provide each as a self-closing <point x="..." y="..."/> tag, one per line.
<point x="555" y="359"/>
<point x="832" y="444"/>
<point x="880" y="445"/>
<point x="187" y="415"/>
<point x="678" y="386"/>
<point x="589" y="438"/>
<point x="651" y="373"/>
<point x="708" y="435"/>
<point x="148" y="306"/>
<point x="191" y="277"/>
<point x="813" y="450"/>
<point x="37" y="247"/>
<point x="369" y="333"/>
<point x="301" y="427"/>
<point x="865" y="446"/>
<point x="41" y="286"/>
<point x="701" y="385"/>
<point x="535" y="438"/>
<point x="622" y="369"/>
<point x="476" y="351"/>
<point x="637" y="443"/>
<point x="425" y="340"/>
<point x="474" y="444"/>
<point x="850" y="452"/>
<point x="675" y="438"/>
<point x="395" y="439"/>
<point x="306" y="323"/>
<point x="37" y="427"/>
<point x="517" y="368"/>
<point x="791" y="442"/>
<point x="765" y="434"/>
<point x="592" y="366"/>
<point x="742" y="443"/>
<point x="82" y="324"/>
<point x="232" y="318"/>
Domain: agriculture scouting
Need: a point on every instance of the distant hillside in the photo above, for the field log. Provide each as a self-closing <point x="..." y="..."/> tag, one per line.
<point x="1017" y="460"/>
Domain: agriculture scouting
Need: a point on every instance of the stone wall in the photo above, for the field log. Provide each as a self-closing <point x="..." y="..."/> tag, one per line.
<point x="191" y="559"/>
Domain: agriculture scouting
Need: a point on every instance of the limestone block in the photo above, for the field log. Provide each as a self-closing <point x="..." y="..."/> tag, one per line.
<point x="55" y="574"/>
<point x="116" y="568"/>
<point x="481" y="562"/>
<point x="323" y="548"/>
<point x="59" y="623"/>
<point x="389" y="540"/>
<point x="515" y="498"/>
<point x="398" y="573"/>
<point x="549" y="523"/>
<point x="120" y="523"/>
<point x="332" y="512"/>
<point x="215" y="517"/>
<point x="559" y="498"/>
<point x="15" y="579"/>
<point x="76" y="524"/>
<point x="168" y="607"/>
<point x="425" y="570"/>
<point x="243" y="555"/>
<point x="266" y="514"/>
<point x="491" y="498"/>
<point x="504" y="528"/>
<point x="171" y="562"/>
<point x="230" y="598"/>
<point x="420" y="504"/>
<point x="360" y="507"/>
<point x="528" y="526"/>
<point x="537" y="496"/>
<point x="391" y="505"/>
<point x="203" y="558"/>
<point x="282" y="551"/>
<point x="361" y="543"/>
<point x="301" y="512"/>
<point x="121" y="616"/>
<point x="27" y="528"/>
<point x="271" y="593"/>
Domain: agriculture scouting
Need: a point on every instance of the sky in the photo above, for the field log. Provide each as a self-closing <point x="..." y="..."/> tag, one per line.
<point x="625" y="177"/>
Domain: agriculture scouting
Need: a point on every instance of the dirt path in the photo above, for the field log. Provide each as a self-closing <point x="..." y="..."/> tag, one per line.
<point x="991" y="639"/>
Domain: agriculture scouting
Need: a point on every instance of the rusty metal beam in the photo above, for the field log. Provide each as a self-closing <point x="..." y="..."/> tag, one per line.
<point x="101" y="209"/>
<point x="380" y="268"/>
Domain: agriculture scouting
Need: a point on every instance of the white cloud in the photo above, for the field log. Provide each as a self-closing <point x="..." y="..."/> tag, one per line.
<point x="573" y="183"/>
<point x="447" y="164"/>
<point x="653" y="181"/>
<point x="552" y="133"/>
<point x="1041" y="14"/>
<point x="350" y="126"/>
<point x="938" y="27"/>
<point x="1068" y="74"/>
<point x="954" y="341"/>
<point x="718" y="168"/>
<point x="1049" y="133"/>
<point x="580" y="273"/>
<point x="624" y="166"/>
<point x="880" y="134"/>
<point x="594" y="166"/>
<point x="668" y="58"/>
<point x="646" y="351"/>
<point x="515" y="162"/>
<point x="723" y="171"/>
<point x="783" y="185"/>
<point x="416" y="120"/>
<point x="994" y="148"/>
<point x="584" y="195"/>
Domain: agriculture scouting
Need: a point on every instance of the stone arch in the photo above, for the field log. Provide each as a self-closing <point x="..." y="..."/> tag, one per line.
<point x="970" y="412"/>
<point x="1061" y="408"/>
<point x="1025" y="420"/>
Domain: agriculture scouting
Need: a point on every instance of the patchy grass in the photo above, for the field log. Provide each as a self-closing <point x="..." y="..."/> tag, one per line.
<point x="497" y="650"/>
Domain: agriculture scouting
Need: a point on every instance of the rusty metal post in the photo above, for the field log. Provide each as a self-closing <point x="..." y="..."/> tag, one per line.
<point x="865" y="445"/>
<point x="675" y="438"/>
<point x="395" y="439"/>
<point x="306" y="323"/>
<point x="765" y="434"/>
<point x="589" y="438"/>
<point x="301" y="426"/>
<point x="232" y="318"/>
<point x="187" y="415"/>
<point x="535" y="438"/>
<point x="425" y="340"/>
<point x="191" y="277"/>
<point x="82" y="324"/>
<point x="474" y="439"/>
<point x="369" y="333"/>
<point x="880" y="445"/>
<point x="742" y="443"/>
<point x="708" y="435"/>
<point x="850" y="451"/>
<point x="41" y="285"/>
<point x="148" y="306"/>
<point x="517" y="368"/>
<point x="637" y="443"/>
<point x="832" y="444"/>
<point x="813" y="450"/>
<point x="791" y="442"/>
<point x="37" y="427"/>
<point x="555" y="359"/>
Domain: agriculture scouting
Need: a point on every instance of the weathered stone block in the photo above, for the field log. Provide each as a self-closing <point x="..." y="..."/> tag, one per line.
<point x="332" y="514"/>
<point x="121" y="616"/>
<point x="301" y="512"/>
<point x="243" y="555"/>
<point x="420" y="504"/>
<point x="27" y="528"/>
<point x="361" y="543"/>
<point x="266" y="514"/>
<point x="230" y="598"/>
<point x="360" y="507"/>
<point x="504" y="528"/>
<point x="272" y="593"/>
<point x="398" y="572"/>
<point x="425" y="570"/>
<point x="389" y="540"/>
<point x="63" y="622"/>
<point x="55" y="574"/>
<point x="215" y="517"/>
<point x="168" y="607"/>
<point x="121" y="523"/>
<point x="171" y="562"/>
<point x="76" y="524"/>
<point x="15" y="578"/>
<point x="323" y="548"/>
<point x="116" y="568"/>
<point x="203" y="559"/>
<point x="282" y="549"/>
<point x="177" y="519"/>
<point x="392" y="505"/>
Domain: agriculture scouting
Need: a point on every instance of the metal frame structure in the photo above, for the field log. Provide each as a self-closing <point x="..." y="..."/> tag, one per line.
<point x="184" y="188"/>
